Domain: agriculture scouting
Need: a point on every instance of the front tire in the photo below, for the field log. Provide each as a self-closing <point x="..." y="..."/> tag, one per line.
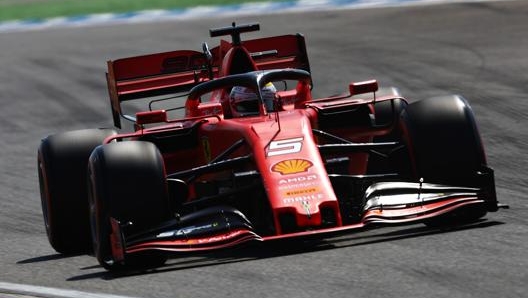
<point x="445" y="147"/>
<point x="127" y="182"/>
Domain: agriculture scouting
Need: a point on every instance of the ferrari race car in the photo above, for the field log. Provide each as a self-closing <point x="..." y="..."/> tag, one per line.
<point x="203" y="167"/>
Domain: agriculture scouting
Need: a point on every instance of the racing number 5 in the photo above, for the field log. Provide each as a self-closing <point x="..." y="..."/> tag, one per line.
<point x="286" y="146"/>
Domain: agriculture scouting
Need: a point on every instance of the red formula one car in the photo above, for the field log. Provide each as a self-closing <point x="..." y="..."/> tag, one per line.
<point x="254" y="158"/>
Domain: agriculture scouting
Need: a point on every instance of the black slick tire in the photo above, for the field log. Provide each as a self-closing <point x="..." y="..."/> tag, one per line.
<point x="445" y="147"/>
<point x="61" y="164"/>
<point x="127" y="183"/>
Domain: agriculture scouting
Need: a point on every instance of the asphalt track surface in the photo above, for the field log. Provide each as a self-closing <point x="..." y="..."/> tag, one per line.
<point x="53" y="81"/>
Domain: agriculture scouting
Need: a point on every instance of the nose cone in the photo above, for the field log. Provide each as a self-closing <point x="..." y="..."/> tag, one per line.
<point x="295" y="178"/>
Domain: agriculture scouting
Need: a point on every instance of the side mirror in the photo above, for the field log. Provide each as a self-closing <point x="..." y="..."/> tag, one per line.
<point x="356" y="88"/>
<point x="151" y="117"/>
<point x="210" y="109"/>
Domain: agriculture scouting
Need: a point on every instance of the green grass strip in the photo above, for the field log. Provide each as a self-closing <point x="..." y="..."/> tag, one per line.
<point x="43" y="9"/>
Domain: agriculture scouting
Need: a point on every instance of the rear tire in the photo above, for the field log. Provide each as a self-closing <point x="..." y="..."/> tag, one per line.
<point x="62" y="164"/>
<point x="127" y="182"/>
<point x="445" y="147"/>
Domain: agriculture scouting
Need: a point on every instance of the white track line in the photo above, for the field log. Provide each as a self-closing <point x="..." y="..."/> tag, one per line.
<point x="47" y="292"/>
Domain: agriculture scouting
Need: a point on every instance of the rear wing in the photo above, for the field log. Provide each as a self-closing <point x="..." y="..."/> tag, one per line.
<point x="178" y="71"/>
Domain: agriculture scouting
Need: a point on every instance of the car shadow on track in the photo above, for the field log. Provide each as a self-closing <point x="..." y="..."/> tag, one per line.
<point x="259" y="251"/>
<point x="47" y="258"/>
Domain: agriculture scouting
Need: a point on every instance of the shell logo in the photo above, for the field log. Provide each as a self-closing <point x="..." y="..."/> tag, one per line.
<point x="292" y="166"/>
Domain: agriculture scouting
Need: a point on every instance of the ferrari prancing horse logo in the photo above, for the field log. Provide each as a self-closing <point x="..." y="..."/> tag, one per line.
<point x="207" y="149"/>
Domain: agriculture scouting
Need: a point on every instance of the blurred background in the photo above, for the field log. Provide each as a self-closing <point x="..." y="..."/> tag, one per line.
<point x="40" y="9"/>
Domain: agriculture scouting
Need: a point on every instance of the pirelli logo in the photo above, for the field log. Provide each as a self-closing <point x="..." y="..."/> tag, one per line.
<point x="301" y="191"/>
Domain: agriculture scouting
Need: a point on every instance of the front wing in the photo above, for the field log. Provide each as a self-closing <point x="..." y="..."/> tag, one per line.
<point x="223" y="226"/>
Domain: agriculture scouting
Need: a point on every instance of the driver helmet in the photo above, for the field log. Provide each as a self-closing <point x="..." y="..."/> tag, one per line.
<point x="244" y="101"/>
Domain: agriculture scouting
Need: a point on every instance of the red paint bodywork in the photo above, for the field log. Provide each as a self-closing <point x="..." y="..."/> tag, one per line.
<point x="282" y="139"/>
